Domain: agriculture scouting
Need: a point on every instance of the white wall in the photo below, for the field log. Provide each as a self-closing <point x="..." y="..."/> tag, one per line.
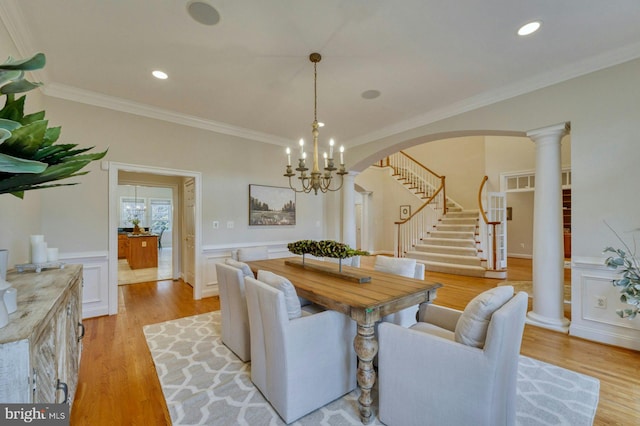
<point x="387" y="197"/>
<point x="461" y="161"/>
<point x="602" y="108"/>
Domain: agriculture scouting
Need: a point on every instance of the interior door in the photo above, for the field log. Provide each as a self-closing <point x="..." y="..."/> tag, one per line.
<point x="498" y="213"/>
<point x="189" y="232"/>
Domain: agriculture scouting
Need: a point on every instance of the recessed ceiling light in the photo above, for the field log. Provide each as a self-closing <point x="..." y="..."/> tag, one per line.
<point x="161" y="75"/>
<point x="203" y="12"/>
<point x="529" y="28"/>
<point x="370" y="94"/>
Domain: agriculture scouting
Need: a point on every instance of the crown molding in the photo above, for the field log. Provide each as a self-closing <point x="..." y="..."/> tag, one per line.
<point x="75" y="94"/>
<point x="568" y="72"/>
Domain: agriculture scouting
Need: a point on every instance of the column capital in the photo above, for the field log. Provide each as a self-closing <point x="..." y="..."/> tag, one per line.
<point x="558" y="130"/>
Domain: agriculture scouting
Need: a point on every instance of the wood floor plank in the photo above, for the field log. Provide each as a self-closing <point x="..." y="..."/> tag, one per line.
<point x="118" y="384"/>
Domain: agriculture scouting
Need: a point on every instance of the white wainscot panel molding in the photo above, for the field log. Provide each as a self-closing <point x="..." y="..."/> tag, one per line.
<point x="218" y="253"/>
<point x="595" y="301"/>
<point x="95" y="281"/>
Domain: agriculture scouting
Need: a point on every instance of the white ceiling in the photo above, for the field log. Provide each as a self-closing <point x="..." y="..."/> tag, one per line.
<point x="250" y="74"/>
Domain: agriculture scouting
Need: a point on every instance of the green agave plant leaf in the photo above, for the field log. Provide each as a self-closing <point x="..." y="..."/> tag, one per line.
<point x="26" y="140"/>
<point x="35" y="62"/>
<point x="10" y="164"/>
<point x="30" y="118"/>
<point x="19" y="86"/>
<point x="29" y="157"/>
<point x="9" y="125"/>
<point x="10" y="75"/>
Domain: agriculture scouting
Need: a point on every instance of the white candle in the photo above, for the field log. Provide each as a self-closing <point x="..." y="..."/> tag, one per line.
<point x="52" y="254"/>
<point x="288" y="156"/>
<point x="301" y="147"/>
<point x="326" y="162"/>
<point x="39" y="253"/>
<point x="341" y="155"/>
<point x="331" y="142"/>
<point x="34" y="239"/>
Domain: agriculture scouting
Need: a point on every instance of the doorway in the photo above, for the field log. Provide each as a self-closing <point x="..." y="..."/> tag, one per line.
<point x="146" y="201"/>
<point x="178" y="244"/>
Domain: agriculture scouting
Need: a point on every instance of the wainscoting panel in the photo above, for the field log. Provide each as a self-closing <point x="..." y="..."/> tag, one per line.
<point x="593" y="312"/>
<point x="217" y="254"/>
<point x="95" y="285"/>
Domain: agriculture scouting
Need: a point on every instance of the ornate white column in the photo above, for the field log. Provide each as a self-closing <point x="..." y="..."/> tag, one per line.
<point x="349" y="210"/>
<point x="548" y="253"/>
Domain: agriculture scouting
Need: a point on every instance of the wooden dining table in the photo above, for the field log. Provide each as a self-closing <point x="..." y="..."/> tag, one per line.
<point x="366" y="303"/>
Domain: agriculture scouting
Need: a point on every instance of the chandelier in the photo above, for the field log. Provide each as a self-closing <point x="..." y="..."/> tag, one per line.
<point x="316" y="180"/>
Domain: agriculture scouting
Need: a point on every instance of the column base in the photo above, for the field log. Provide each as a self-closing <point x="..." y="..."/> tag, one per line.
<point x="561" y="325"/>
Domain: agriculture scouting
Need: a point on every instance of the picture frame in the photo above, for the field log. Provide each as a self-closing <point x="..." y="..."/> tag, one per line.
<point x="405" y="212"/>
<point x="271" y="206"/>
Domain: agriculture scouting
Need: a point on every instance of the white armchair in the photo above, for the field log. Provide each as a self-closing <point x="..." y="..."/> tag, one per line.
<point x="233" y="309"/>
<point x="407" y="268"/>
<point x="426" y="376"/>
<point x="299" y="364"/>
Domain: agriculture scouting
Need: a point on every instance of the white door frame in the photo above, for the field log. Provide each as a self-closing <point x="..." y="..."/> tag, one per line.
<point x="114" y="168"/>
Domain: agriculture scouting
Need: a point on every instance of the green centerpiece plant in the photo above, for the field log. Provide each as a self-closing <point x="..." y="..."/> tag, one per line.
<point x="29" y="156"/>
<point x="324" y="248"/>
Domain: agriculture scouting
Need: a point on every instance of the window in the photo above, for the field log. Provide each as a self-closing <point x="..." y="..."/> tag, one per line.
<point x="132" y="208"/>
<point x="161" y="213"/>
<point x="526" y="181"/>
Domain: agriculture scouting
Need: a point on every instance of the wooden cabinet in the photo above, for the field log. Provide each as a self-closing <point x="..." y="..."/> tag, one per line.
<point x="40" y="347"/>
<point x="123" y="246"/>
<point x="143" y="251"/>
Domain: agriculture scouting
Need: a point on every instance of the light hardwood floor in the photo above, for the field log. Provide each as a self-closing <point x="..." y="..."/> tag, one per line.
<point x="118" y="383"/>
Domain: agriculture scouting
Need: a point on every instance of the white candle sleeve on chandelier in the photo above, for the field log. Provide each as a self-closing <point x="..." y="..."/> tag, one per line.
<point x="331" y="142"/>
<point x="341" y="154"/>
<point x="301" y="148"/>
<point x="326" y="161"/>
<point x="288" y="156"/>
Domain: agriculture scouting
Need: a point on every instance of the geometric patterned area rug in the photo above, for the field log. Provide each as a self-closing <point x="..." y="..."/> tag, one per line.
<point x="204" y="383"/>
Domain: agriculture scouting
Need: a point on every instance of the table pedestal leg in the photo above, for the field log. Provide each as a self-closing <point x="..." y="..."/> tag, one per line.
<point x="366" y="347"/>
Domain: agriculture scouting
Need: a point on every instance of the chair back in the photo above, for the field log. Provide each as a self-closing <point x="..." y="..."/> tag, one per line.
<point x="233" y="309"/>
<point x="248" y="254"/>
<point x="267" y="318"/>
<point x="502" y="348"/>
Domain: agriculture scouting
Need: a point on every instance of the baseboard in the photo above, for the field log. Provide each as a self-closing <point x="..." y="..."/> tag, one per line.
<point x="606" y="337"/>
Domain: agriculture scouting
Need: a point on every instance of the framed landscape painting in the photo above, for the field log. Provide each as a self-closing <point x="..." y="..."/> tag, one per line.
<point x="271" y="206"/>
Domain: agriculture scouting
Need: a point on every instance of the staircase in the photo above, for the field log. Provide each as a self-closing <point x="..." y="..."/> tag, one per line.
<point x="451" y="247"/>
<point x="444" y="243"/>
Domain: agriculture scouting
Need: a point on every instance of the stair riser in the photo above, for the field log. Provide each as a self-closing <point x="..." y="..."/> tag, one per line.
<point x="450" y="242"/>
<point x="453" y="270"/>
<point x="459" y="221"/>
<point x="458" y="251"/>
<point x="456" y="228"/>
<point x="443" y="258"/>
<point x="455" y="235"/>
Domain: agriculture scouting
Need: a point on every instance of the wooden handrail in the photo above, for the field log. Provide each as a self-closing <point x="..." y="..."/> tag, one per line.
<point x="426" y="203"/>
<point x="484" y="215"/>
<point x="420" y="164"/>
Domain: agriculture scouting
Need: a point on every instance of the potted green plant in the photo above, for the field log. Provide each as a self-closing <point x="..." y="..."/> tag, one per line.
<point x="29" y="156"/>
<point x="626" y="262"/>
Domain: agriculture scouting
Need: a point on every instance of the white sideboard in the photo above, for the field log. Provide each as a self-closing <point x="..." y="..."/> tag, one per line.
<point x="40" y="347"/>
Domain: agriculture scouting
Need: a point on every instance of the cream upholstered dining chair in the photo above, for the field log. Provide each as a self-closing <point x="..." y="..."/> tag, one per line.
<point x="407" y="268"/>
<point x="299" y="361"/>
<point x="248" y="254"/>
<point x="233" y="307"/>
<point x="452" y="367"/>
